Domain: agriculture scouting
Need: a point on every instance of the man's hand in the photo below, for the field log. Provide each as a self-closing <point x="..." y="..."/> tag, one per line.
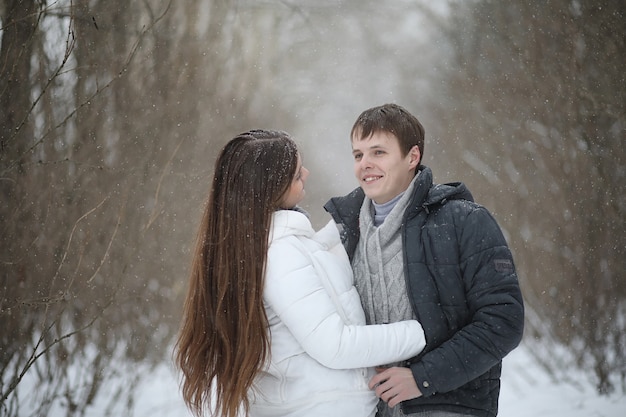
<point x="393" y="385"/>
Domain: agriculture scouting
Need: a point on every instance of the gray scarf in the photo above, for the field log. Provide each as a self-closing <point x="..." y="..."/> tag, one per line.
<point x="379" y="264"/>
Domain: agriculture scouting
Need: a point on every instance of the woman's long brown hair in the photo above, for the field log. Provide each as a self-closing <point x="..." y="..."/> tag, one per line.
<point x="224" y="337"/>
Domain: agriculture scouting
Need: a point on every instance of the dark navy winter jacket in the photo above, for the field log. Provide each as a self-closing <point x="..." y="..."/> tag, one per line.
<point x="463" y="288"/>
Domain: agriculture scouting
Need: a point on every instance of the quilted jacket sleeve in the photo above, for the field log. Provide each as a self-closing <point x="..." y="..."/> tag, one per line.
<point x="295" y="292"/>
<point x="496" y="312"/>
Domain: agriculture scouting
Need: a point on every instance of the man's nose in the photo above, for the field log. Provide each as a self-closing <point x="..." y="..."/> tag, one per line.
<point x="365" y="162"/>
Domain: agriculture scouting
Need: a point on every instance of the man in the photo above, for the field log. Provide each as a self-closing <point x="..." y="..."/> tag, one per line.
<point x="426" y="251"/>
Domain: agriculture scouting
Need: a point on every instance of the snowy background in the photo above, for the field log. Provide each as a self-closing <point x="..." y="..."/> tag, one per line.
<point x="138" y="152"/>
<point x="527" y="390"/>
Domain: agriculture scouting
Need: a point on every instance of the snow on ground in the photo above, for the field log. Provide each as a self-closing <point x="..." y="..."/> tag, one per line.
<point x="527" y="390"/>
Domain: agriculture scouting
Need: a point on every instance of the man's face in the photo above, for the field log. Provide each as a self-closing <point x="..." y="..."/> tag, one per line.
<point x="380" y="168"/>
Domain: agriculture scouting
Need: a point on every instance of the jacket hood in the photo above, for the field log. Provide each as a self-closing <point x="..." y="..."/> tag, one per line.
<point x="426" y="194"/>
<point x="439" y="193"/>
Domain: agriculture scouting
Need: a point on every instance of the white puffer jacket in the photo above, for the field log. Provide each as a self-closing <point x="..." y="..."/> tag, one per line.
<point x="320" y="346"/>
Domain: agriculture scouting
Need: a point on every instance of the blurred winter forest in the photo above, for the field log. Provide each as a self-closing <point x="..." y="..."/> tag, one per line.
<point x="111" y="114"/>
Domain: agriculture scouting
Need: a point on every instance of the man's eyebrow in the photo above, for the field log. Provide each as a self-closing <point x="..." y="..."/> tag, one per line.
<point x="377" y="146"/>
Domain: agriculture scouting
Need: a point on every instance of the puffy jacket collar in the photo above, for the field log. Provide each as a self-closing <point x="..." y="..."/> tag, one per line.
<point x="425" y="195"/>
<point x="288" y="223"/>
<point x="345" y="210"/>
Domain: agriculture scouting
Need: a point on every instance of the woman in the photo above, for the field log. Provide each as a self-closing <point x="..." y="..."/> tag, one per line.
<point x="272" y="324"/>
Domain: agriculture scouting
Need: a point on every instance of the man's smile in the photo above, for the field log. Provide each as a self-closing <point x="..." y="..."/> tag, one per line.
<point x="371" y="178"/>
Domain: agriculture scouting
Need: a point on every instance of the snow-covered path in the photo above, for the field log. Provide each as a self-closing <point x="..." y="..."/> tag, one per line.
<point x="527" y="390"/>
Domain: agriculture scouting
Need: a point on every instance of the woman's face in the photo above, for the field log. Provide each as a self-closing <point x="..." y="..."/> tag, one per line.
<point x="295" y="193"/>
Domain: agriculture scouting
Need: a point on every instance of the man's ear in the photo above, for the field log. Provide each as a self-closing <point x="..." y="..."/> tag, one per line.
<point x="414" y="157"/>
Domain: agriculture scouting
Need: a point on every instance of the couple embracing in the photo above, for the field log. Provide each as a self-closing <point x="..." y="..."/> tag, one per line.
<point x="404" y="303"/>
